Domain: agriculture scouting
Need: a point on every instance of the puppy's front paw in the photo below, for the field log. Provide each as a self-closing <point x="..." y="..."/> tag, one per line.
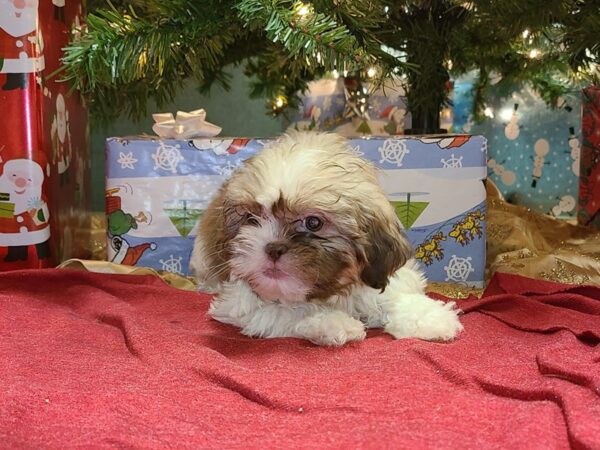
<point x="333" y="328"/>
<point x="424" y="318"/>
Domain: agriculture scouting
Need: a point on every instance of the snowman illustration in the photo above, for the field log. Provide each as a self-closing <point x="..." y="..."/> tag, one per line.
<point x="512" y="130"/>
<point x="541" y="149"/>
<point x="507" y="176"/>
<point x="565" y="205"/>
<point x="61" y="139"/>
<point x="575" y="151"/>
<point x="24" y="218"/>
<point x="21" y="43"/>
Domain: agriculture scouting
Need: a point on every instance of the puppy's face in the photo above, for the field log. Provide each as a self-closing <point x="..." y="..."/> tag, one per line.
<point x="303" y="220"/>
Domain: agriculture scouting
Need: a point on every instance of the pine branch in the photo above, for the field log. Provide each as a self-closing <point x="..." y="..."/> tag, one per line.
<point x="123" y="51"/>
<point x="305" y="33"/>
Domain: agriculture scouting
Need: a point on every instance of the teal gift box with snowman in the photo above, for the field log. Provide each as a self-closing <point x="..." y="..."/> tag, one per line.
<point x="534" y="150"/>
<point x="157" y="189"/>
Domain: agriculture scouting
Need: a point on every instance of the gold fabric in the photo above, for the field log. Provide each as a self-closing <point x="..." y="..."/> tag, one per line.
<point x="175" y="280"/>
<point x="537" y="246"/>
<point x="519" y="241"/>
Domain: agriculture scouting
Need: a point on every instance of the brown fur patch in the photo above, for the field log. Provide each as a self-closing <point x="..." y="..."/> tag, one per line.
<point x="219" y="225"/>
<point x="386" y="249"/>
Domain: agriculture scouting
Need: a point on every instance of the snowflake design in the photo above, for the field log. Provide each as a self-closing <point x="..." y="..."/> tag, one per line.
<point x="459" y="269"/>
<point x="393" y="151"/>
<point x="127" y="161"/>
<point x="228" y="169"/>
<point x="452" y="162"/>
<point x="167" y="157"/>
<point x="172" y="265"/>
<point x="356" y="150"/>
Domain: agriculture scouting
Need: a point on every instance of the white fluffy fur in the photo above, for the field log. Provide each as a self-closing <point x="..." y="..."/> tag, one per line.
<point x="318" y="173"/>
<point x="402" y="310"/>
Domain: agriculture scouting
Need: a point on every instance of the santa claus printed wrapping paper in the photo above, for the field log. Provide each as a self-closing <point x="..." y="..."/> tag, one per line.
<point x="589" y="179"/>
<point x="156" y="190"/>
<point x="43" y="137"/>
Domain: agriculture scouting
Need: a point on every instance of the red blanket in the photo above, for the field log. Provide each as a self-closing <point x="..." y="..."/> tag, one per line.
<point x="94" y="360"/>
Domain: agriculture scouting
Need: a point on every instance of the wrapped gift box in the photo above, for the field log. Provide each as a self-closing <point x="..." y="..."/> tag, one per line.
<point x="156" y="191"/>
<point x="44" y="160"/>
<point x="534" y="150"/>
<point x="589" y="181"/>
<point x="324" y="107"/>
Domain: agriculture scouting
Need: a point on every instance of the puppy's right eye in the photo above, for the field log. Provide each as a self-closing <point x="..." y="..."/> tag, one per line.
<point x="251" y="220"/>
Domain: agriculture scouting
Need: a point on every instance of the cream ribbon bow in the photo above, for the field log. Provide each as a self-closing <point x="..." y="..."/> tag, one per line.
<point x="184" y="126"/>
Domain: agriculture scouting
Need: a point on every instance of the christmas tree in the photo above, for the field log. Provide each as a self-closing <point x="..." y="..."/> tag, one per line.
<point x="132" y="51"/>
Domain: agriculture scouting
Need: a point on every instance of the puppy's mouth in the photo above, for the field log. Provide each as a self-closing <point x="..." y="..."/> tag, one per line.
<point x="274" y="273"/>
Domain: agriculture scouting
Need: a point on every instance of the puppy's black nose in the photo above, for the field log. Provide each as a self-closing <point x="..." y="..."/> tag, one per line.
<point x="274" y="250"/>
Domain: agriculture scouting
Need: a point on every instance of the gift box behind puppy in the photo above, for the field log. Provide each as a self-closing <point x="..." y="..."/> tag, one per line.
<point x="157" y="189"/>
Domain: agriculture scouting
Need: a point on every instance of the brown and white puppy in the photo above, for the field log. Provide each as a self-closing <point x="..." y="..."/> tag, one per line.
<point x="302" y="242"/>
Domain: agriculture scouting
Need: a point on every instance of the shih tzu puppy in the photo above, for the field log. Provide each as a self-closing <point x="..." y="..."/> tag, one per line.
<point x="302" y="242"/>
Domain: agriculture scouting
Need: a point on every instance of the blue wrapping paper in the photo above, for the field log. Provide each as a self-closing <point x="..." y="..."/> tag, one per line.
<point x="157" y="189"/>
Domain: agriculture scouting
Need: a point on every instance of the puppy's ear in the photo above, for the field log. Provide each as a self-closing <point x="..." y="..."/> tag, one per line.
<point x="208" y="262"/>
<point x="386" y="250"/>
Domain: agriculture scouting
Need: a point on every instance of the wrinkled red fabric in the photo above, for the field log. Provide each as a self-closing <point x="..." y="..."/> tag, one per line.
<point x="112" y="361"/>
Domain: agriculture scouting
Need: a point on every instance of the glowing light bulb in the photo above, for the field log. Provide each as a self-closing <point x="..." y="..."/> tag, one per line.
<point x="488" y="112"/>
<point x="371" y="72"/>
<point x="525" y="33"/>
<point x="302" y="9"/>
<point x="279" y="101"/>
<point x="534" y="53"/>
<point x="506" y="114"/>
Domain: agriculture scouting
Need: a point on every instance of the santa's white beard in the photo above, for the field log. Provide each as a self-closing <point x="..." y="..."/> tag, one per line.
<point x="18" y="26"/>
<point x="61" y="128"/>
<point x="23" y="202"/>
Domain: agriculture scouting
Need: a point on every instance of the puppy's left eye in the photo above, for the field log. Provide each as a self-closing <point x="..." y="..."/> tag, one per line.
<point x="313" y="223"/>
<point x="251" y="220"/>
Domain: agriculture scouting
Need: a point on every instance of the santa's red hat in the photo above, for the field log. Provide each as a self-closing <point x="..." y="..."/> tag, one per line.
<point x="308" y="112"/>
<point x="236" y="145"/>
<point x="128" y="255"/>
<point x="388" y="112"/>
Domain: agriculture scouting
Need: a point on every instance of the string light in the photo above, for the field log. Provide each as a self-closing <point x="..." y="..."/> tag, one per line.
<point x="279" y="101"/>
<point x="525" y="33"/>
<point x="302" y="9"/>
<point x="488" y="112"/>
<point x="506" y="114"/>
<point x="534" y="53"/>
<point x="371" y="72"/>
<point x="278" y="104"/>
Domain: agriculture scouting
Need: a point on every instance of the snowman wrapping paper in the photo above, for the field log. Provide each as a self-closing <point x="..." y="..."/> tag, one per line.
<point x="534" y="151"/>
<point x="44" y="157"/>
<point x="156" y="190"/>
